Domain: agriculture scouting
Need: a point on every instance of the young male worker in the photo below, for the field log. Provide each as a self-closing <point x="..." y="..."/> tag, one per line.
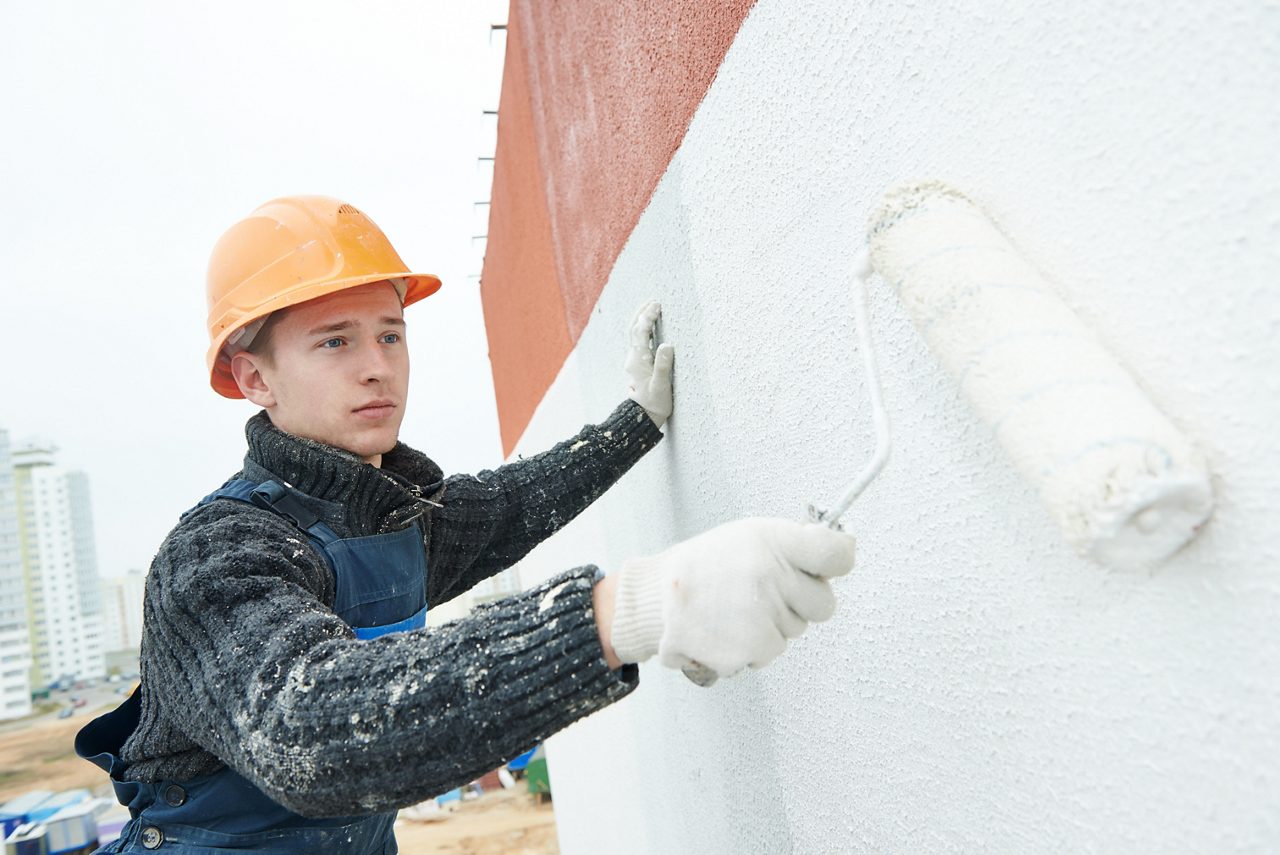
<point x="291" y="697"/>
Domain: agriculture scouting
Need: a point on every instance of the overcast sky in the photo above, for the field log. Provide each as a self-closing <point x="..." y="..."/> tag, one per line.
<point x="135" y="133"/>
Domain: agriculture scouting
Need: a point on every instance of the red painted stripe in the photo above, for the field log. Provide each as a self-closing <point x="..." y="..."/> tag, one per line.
<point x="597" y="96"/>
<point x="519" y="287"/>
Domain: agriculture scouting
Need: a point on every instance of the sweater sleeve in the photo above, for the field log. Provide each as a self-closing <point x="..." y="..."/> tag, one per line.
<point x="246" y="662"/>
<point x="490" y="521"/>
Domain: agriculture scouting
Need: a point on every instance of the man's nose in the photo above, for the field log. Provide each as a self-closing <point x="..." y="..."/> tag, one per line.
<point x="376" y="365"/>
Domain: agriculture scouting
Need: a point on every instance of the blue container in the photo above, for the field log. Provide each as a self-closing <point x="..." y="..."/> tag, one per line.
<point x="27" y="839"/>
<point x="74" y="829"/>
<point x="523" y="760"/>
<point x="17" y="810"/>
<point x="55" y="803"/>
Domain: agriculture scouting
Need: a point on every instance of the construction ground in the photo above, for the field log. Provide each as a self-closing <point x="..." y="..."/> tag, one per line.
<point x="509" y="822"/>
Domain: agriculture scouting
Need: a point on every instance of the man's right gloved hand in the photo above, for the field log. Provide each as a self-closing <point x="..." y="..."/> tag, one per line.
<point x="729" y="597"/>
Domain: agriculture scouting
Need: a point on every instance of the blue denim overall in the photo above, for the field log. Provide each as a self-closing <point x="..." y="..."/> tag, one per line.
<point x="381" y="588"/>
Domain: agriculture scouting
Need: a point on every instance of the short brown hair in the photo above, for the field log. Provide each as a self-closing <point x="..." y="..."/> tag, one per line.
<point x="262" y="341"/>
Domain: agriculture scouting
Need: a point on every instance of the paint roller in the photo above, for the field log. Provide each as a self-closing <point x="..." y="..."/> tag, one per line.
<point x="1127" y="488"/>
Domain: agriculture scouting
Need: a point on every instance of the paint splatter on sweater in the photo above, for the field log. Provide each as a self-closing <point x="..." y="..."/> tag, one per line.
<point x="245" y="664"/>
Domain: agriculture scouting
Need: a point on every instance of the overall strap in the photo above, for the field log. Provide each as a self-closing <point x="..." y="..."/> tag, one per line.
<point x="274" y="496"/>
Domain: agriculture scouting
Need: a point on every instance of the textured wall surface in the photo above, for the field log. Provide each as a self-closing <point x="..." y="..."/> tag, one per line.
<point x="981" y="688"/>
<point x="596" y="97"/>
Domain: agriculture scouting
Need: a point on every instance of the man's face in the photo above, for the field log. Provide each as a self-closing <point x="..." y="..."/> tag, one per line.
<point x="337" y="370"/>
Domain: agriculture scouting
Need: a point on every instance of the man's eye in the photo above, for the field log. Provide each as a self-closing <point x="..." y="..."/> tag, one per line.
<point x="332" y="343"/>
<point x="391" y="338"/>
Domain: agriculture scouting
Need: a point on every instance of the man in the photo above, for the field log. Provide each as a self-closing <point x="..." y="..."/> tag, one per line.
<point x="291" y="697"/>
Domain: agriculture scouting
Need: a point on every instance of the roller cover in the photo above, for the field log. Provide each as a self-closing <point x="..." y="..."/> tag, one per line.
<point x="1127" y="488"/>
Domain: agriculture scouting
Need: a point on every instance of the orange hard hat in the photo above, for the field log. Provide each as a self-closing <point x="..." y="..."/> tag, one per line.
<point x="288" y="251"/>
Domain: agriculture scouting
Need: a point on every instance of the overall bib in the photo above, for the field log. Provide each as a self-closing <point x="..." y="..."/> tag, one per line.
<point x="381" y="588"/>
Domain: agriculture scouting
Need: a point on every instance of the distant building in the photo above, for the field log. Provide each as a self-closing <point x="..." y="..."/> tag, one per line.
<point x="122" y="611"/>
<point x="496" y="587"/>
<point x="15" y="646"/>
<point x="59" y="567"/>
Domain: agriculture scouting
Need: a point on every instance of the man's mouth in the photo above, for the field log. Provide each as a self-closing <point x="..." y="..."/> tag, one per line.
<point x="375" y="410"/>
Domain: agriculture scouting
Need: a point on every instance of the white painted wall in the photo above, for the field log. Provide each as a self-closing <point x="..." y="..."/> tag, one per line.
<point x="981" y="688"/>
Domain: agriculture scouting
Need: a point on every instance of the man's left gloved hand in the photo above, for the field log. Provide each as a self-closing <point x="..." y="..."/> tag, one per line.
<point x="728" y="598"/>
<point x="649" y="371"/>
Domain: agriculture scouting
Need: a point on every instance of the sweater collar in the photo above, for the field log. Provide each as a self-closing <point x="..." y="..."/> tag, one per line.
<point x="372" y="495"/>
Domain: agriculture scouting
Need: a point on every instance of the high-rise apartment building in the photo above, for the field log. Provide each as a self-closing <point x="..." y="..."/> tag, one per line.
<point x="15" y="647"/>
<point x="122" y="611"/>
<point x="59" y="567"/>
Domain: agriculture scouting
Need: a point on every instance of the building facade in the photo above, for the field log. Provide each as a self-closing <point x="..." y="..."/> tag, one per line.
<point x="15" y="646"/>
<point x="981" y="687"/>
<point x="122" y="598"/>
<point x="59" y="567"/>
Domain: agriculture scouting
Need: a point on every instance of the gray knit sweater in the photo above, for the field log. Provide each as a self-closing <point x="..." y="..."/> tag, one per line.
<point x="245" y="664"/>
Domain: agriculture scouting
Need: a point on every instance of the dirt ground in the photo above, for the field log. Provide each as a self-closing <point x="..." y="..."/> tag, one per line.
<point x="42" y="757"/>
<point x="505" y="822"/>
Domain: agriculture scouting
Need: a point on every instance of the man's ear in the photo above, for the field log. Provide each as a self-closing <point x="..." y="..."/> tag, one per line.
<point x="246" y="370"/>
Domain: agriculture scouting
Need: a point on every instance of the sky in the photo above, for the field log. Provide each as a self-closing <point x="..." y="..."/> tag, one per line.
<point x="136" y="133"/>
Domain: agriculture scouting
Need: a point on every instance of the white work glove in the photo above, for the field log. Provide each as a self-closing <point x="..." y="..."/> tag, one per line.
<point x="729" y="597"/>
<point x="649" y="372"/>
